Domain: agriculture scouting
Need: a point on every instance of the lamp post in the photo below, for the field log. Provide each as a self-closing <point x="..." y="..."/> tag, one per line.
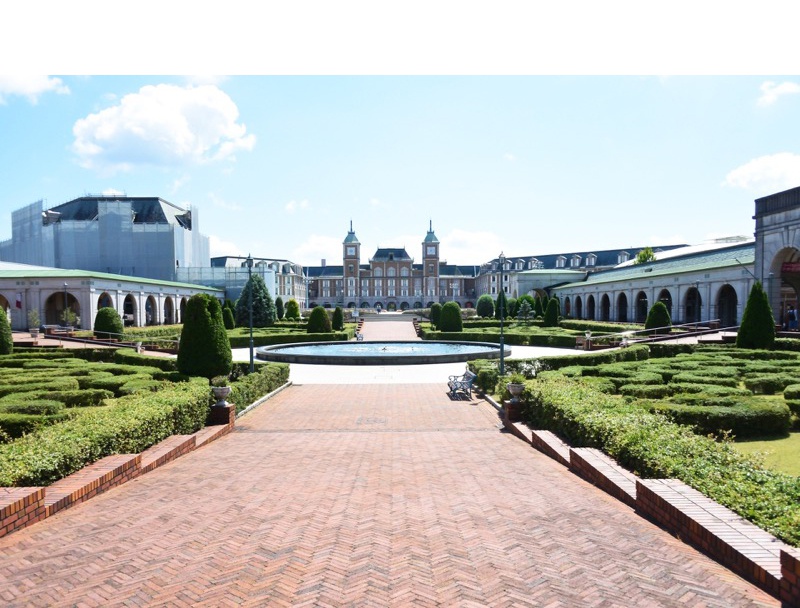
<point x="65" y="305"/>
<point x="502" y="261"/>
<point x="249" y="263"/>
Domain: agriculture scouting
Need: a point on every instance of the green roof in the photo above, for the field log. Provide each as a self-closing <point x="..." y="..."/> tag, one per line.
<point x="60" y="273"/>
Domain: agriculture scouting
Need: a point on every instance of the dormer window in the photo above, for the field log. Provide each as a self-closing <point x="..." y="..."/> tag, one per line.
<point x="623" y="256"/>
<point x="591" y="259"/>
<point x="575" y="262"/>
<point x="561" y="261"/>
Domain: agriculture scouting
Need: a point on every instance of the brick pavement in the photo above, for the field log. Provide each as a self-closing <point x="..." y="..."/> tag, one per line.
<point x="360" y="495"/>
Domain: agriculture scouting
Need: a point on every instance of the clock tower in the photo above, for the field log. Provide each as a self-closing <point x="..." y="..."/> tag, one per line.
<point x="430" y="265"/>
<point x="351" y="258"/>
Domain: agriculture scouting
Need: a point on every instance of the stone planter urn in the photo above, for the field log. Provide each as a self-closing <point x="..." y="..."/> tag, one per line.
<point x="514" y="406"/>
<point x="34" y="333"/>
<point x="220" y="394"/>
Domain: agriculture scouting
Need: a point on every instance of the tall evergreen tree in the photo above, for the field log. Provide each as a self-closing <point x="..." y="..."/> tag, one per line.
<point x="337" y="323"/>
<point x="204" y="348"/>
<point x="538" y="308"/>
<point x="501" y="306"/>
<point x="292" y="309"/>
<point x="436" y="313"/>
<point x="6" y="339"/>
<point x="551" y="314"/>
<point x="279" y="310"/>
<point x="264" y="312"/>
<point x="757" y="329"/>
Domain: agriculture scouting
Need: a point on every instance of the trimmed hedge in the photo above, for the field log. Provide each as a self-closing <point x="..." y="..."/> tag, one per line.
<point x="134" y="423"/>
<point x="751" y="418"/>
<point x="264" y="380"/>
<point x="268" y="340"/>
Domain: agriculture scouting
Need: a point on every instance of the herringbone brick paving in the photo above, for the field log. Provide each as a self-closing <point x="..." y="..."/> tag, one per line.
<point x="370" y="495"/>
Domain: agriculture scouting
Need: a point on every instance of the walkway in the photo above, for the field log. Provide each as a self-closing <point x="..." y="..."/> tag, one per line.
<point x="360" y="495"/>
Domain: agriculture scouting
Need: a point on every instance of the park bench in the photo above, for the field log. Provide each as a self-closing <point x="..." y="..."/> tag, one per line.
<point x="462" y="383"/>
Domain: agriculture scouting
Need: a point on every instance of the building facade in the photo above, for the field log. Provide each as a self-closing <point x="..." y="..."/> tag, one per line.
<point x="126" y="235"/>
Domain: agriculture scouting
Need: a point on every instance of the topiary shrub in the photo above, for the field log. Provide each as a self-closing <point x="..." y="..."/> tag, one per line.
<point x="204" y="348"/>
<point x="512" y="307"/>
<point x="501" y="306"/>
<point x="450" y="318"/>
<point x="227" y="318"/>
<point x="6" y="340"/>
<point x="292" y="309"/>
<point x="485" y="306"/>
<point x="757" y="329"/>
<point x="337" y="323"/>
<point x="436" y="313"/>
<point x="108" y="324"/>
<point x="318" y="321"/>
<point x="658" y="319"/>
<point x="279" y="310"/>
<point x="551" y="313"/>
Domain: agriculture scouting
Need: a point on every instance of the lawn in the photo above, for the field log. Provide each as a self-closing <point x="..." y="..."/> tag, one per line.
<point x="780" y="454"/>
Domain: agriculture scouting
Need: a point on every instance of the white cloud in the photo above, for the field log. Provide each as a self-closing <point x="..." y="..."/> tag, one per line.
<point x="376" y="202"/>
<point x="509" y="157"/>
<point x="218" y="248"/>
<point x="162" y="125"/>
<point x="771" y="91"/>
<point x="178" y="183"/>
<point x="223" y="204"/>
<point x="316" y="248"/>
<point x="113" y="192"/>
<point x="767" y="173"/>
<point x="474" y="247"/>
<point x="293" y="206"/>
<point x="30" y="86"/>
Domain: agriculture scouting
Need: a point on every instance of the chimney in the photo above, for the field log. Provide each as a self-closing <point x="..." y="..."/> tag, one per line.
<point x="323" y="263"/>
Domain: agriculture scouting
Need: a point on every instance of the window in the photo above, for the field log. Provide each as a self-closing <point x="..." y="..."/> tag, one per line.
<point x="404" y="271"/>
<point x="390" y="272"/>
<point x="379" y="272"/>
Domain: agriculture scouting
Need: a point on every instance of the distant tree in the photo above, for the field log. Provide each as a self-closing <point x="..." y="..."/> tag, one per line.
<point x="645" y="255"/>
<point x="319" y="322"/>
<point x="450" y="318"/>
<point x="338" y="319"/>
<point x="551" y="313"/>
<point x="204" y="348"/>
<point x="264" y="313"/>
<point x="436" y="311"/>
<point x="227" y="318"/>
<point x="108" y="324"/>
<point x="658" y="318"/>
<point x="512" y="307"/>
<point x="525" y="297"/>
<point x="525" y="310"/>
<point x="757" y="329"/>
<point x="279" y="309"/>
<point x="501" y="306"/>
<point x="292" y="309"/>
<point x="538" y="308"/>
<point x="6" y="339"/>
<point x="485" y="306"/>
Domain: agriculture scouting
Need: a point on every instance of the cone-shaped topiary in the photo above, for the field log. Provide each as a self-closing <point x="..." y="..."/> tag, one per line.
<point x="108" y="324"/>
<point x="279" y="310"/>
<point x="757" y="329"/>
<point x="337" y="323"/>
<point x="292" y="309"/>
<point x="436" y="313"/>
<point x="450" y="318"/>
<point x="204" y="347"/>
<point x="658" y="318"/>
<point x="319" y="322"/>
<point x="227" y="318"/>
<point x="485" y="306"/>
<point x="551" y="313"/>
<point x="501" y="306"/>
<point x="264" y="313"/>
<point x="538" y="308"/>
<point x="512" y="308"/>
<point x="6" y="339"/>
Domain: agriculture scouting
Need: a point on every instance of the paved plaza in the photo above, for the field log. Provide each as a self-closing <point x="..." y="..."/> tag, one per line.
<point x="364" y="494"/>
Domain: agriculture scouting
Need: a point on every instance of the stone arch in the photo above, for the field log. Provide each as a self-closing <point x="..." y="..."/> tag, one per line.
<point x="605" y="308"/>
<point x="783" y="290"/>
<point x="429" y="304"/>
<point x="404" y="306"/>
<point x="351" y="305"/>
<point x="468" y="304"/>
<point x="622" y="308"/>
<point x="150" y="311"/>
<point x="391" y="306"/>
<point x="378" y="305"/>
<point x="129" y="309"/>
<point x="417" y="304"/>
<point x="56" y="303"/>
<point x="666" y="297"/>
<point x="693" y="304"/>
<point x="590" y="307"/>
<point x="578" y="307"/>
<point x="641" y="307"/>
<point x="727" y="306"/>
<point x="169" y="311"/>
<point x="104" y="300"/>
<point x="182" y="309"/>
<point x="567" y="306"/>
<point x="365" y="304"/>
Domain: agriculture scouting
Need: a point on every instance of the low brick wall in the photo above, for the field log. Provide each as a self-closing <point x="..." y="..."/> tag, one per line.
<point x="790" y="573"/>
<point x="20" y="507"/>
<point x="602" y="471"/>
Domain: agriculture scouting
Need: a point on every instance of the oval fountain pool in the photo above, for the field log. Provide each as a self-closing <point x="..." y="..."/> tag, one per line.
<point x="380" y="353"/>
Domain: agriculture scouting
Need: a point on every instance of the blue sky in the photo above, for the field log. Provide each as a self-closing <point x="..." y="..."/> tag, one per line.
<point x="278" y="165"/>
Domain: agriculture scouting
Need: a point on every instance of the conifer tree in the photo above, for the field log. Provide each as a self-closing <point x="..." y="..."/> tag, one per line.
<point x="204" y="348"/>
<point x="757" y="329"/>
<point x="264" y="312"/>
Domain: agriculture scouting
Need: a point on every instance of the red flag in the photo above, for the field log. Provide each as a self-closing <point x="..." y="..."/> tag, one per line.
<point x="19" y="300"/>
